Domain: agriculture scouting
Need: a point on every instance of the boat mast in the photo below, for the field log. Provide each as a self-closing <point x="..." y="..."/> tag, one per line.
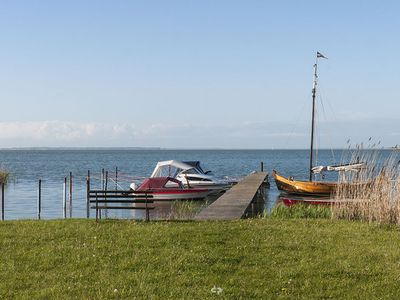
<point x="314" y="90"/>
<point x="313" y="116"/>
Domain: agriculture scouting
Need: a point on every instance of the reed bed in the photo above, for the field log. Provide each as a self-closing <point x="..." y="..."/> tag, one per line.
<point x="4" y="175"/>
<point x="373" y="193"/>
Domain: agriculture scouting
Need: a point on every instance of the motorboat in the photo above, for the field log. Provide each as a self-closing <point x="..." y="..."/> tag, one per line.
<point x="191" y="174"/>
<point x="168" y="188"/>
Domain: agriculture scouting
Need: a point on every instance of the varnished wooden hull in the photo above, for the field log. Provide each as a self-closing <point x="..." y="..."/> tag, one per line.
<point x="316" y="188"/>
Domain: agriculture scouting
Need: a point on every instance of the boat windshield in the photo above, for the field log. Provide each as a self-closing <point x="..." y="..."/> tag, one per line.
<point x="191" y="171"/>
<point x="196" y="165"/>
<point x="167" y="171"/>
<point x="171" y="168"/>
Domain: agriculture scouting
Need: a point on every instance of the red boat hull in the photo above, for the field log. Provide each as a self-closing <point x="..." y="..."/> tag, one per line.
<point x="313" y="201"/>
<point x="160" y="189"/>
<point x="176" y="194"/>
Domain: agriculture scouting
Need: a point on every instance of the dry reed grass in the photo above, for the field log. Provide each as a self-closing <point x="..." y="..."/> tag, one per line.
<point x="373" y="194"/>
<point x="4" y="175"/>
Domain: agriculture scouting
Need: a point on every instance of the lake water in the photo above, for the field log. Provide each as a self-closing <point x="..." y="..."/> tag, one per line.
<point x="28" y="166"/>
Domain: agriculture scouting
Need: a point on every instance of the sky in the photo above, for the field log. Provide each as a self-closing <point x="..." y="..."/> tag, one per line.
<point x="198" y="74"/>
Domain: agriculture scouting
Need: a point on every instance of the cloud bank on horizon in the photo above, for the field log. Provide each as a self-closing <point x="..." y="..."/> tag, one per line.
<point x="246" y="135"/>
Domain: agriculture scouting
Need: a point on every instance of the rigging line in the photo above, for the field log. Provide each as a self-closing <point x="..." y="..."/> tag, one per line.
<point x="295" y="124"/>
<point x="329" y="137"/>
<point x="325" y="116"/>
<point x="116" y="183"/>
<point x="330" y="107"/>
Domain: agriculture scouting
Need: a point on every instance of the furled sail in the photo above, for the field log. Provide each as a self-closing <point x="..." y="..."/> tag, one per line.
<point x="356" y="167"/>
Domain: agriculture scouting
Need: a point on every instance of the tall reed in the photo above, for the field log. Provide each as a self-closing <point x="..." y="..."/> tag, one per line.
<point x="4" y="175"/>
<point x="373" y="193"/>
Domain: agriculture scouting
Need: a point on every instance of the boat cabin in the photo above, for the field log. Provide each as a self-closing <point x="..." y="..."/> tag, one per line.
<point x="173" y="168"/>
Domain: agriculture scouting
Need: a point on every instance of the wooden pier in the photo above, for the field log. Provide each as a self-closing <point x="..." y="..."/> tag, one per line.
<point x="235" y="202"/>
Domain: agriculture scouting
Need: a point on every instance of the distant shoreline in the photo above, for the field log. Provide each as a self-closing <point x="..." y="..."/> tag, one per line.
<point x="172" y="149"/>
<point x="82" y="148"/>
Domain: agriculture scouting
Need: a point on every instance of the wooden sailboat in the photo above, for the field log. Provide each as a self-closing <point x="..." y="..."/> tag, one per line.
<point x="304" y="187"/>
<point x="310" y="187"/>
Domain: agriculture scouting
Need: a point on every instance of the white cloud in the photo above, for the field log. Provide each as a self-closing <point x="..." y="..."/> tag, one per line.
<point x="50" y="132"/>
<point x="246" y="134"/>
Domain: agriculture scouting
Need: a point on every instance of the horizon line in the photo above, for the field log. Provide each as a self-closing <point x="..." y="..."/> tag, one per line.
<point x="173" y="148"/>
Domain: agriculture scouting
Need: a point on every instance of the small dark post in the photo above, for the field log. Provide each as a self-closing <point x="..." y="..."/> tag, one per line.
<point x="2" y="201"/>
<point x="105" y="195"/>
<point x="39" y="204"/>
<point x="65" y="198"/>
<point x="262" y="166"/>
<point x="147" y="210"/>
<point x="106" y="181"/>
<point x="97" y="208"/>
<point x="70" y="194"/>
<point x="102" y="179"/>
<point x="116" y="178"/>
<point x="88" y="195"/>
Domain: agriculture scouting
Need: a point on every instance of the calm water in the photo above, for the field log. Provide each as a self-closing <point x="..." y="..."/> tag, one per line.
<point x="27" y="166"/>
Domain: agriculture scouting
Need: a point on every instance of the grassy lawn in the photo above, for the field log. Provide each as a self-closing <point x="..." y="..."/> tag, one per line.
<point x="255" y="258"/>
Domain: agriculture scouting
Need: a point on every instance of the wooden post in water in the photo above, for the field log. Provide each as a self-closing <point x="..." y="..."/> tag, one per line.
<point x="39" y="203"/>
<point x="70" y="194"/>
<point x="2" y="201"/>
<point x="262" y="166"/>
<point x="116" y="178"/>
<point x="105" y="188"/>
<point x="88" y="195"/>
<point x="65" y="198"/>
<point x="147" y="211"/>
<point x="102" y="179"/>
<point x="97" y="208"/>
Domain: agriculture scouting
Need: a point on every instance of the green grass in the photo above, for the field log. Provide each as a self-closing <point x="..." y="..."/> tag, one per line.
<point x="253" y="258"/>
<point x="301" y="211"/>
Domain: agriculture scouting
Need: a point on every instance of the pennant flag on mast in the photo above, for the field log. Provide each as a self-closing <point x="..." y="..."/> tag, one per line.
<point x="319" y="55"/>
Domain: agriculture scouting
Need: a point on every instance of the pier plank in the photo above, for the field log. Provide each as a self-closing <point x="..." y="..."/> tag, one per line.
<point x="234" y="203"/>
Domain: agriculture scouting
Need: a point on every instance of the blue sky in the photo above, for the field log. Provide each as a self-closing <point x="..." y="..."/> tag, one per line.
<point x="197" y="74"/>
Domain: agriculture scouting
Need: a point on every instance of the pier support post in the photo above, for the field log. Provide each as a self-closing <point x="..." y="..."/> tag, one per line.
<point x="88" y="195"/>
<point x="70" y="194"/>
<point x="39" y="203"/>
<point x="147" y="211"/>
<point x="262" y="166"/>
<point x="2" y="201"/>
<point x="102" y="179"/>
<point x="97" y="208"/>
<point x="65" y="198"/>
<point x="105" y="188"/>
<point x="116" y="178"/>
